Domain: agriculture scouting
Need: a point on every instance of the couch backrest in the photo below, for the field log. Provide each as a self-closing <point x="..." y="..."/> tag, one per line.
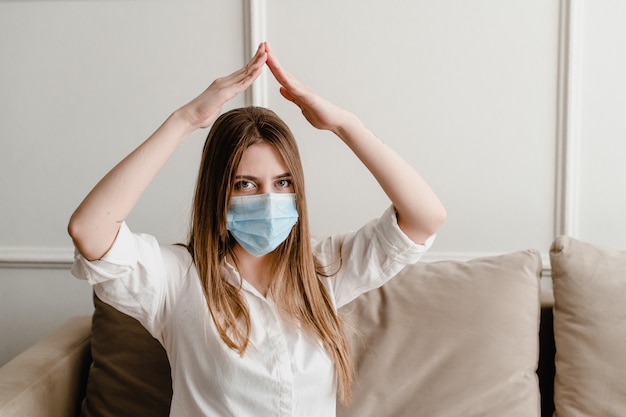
<point x="48" y="379"/>
<point x="437" y="340"/>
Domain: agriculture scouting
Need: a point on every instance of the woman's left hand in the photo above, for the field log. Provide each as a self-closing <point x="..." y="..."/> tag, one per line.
<point x="419" y="211"/>
<point x="321" y="113"/>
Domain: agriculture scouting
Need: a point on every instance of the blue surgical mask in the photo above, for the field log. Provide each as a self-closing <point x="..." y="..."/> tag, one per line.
<point x="261" y="222"/>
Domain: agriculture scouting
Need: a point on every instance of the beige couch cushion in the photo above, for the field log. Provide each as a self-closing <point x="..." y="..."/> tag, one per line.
<point x="449" y="339"/>
<point x="589" y="284"/>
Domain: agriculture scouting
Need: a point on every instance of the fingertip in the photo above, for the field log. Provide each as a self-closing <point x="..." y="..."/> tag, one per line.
<point x="270" y="51"/>
<point x="271" y="56"/>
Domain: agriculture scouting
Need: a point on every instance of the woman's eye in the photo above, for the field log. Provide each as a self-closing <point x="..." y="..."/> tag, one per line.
<point x="284" y="183"/>
<point x="243" y="185"/>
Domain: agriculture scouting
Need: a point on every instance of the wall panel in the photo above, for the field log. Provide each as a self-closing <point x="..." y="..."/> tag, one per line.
<point x="467" y="91"/>
<point x="602" y="196"/>
<point x="83" y="84"/>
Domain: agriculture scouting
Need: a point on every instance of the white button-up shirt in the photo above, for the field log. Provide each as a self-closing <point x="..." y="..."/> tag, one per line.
<point x="284" y="372"/>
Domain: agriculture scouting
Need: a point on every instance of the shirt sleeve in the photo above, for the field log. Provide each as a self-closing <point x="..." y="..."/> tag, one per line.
<point x="137" y="276"/>
<point x="363" y="260"/>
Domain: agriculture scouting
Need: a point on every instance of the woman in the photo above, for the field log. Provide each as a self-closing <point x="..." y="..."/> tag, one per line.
<point x="247" y="310"/>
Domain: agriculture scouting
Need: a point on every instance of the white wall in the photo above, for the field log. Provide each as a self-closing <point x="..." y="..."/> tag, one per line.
<point x="465" y="90"/>
<point x="471" y="93"/>
<point x="81" y="84"/>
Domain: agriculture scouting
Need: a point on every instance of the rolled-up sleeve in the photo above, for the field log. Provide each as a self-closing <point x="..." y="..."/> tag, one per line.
<point x="366" y="259"/>
<point x="130" y="277"/>
<point x="396" y="244"/>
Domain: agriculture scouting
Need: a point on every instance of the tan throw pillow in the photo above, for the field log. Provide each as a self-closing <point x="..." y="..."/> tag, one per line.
<point x="449" y="339"/>
<point x="130" y="374"/>
<point x="589" y="329"/>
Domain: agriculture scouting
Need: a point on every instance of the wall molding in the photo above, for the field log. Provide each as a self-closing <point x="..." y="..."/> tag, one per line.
<point x="570" y="53"/>
<point x="36" y="258"/>
<point x="255" y="19"/>
<point x="63" y="257"/>
<point x="255" y="24"/>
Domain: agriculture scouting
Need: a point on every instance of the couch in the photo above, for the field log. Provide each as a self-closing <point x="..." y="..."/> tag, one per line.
<point x="447" y="338"/>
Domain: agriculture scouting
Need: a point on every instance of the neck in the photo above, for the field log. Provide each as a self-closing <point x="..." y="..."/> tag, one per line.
<point x="254" y="269"/>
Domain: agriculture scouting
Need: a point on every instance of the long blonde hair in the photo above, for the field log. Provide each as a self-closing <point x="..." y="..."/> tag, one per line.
<point x="296" y="275"/>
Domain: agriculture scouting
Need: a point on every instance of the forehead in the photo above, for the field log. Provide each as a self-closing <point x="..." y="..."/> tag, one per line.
<point x="261" y="159"/>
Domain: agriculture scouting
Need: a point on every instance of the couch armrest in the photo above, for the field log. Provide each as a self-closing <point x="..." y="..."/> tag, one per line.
<point x="48" y="379"/>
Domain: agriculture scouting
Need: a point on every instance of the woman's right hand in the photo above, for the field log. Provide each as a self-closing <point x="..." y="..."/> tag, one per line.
<point x="202" y="111"/>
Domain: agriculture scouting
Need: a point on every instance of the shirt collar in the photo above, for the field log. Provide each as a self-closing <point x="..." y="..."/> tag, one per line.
<point x="234" y="278"/>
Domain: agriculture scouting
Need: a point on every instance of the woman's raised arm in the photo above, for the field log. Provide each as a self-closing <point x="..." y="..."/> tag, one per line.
<point x="420" y="212"/>
<point x="96" y="222"/>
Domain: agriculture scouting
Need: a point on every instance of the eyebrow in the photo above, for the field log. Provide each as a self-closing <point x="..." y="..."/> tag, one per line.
<point x="285" y="175"/>
<point x="252" y="178"/>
